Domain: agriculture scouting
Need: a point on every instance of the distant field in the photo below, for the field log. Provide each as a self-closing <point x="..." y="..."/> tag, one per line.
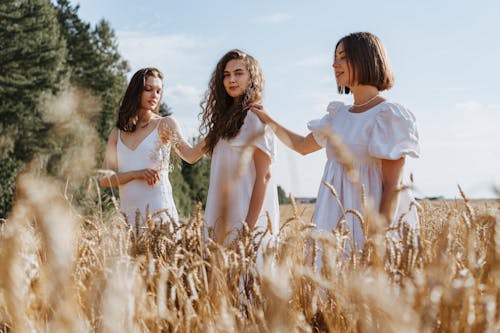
<point x="306" y="211"/>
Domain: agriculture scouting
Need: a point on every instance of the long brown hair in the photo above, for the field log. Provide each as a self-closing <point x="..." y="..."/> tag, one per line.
<point x="130" y="104"/>
<point x="222" y="117"/>
<point x="368" y="61"/>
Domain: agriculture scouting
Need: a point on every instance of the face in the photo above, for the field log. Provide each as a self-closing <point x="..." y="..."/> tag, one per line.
<point x="236" y="78"/>
<point x="341" y="67"/>
<point x="151" y="94"/>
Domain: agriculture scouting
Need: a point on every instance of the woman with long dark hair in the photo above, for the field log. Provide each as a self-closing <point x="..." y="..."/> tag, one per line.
<point x="138" y="150"/>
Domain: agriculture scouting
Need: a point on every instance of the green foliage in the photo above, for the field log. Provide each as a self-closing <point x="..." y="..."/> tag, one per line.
<point x="32" y="55"/>
<point x="189" y="182"/>
<point x="181" y="191"/>
<point x="94" y="62"/>
<point x="44" y="48"/>
<point x="282" y="197"/>
<point x="197" y="176"/>
<point x="164" y="110"/>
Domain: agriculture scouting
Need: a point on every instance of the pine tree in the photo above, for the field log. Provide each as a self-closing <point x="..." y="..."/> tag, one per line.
<point x="94" y="62"/>
<point x="32" y="54"/>
<point x="282" y="197"/>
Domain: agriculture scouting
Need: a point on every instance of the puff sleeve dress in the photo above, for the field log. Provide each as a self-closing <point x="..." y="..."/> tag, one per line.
<point x="232" y="178"/>
<point x="386" y="131"/>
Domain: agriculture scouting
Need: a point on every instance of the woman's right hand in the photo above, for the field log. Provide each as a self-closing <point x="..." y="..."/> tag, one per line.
<point x="150" y="176"/>
<point x="260" y="112"/>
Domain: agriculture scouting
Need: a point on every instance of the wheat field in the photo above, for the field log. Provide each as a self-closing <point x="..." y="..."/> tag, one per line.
<point x="67" y="271"/>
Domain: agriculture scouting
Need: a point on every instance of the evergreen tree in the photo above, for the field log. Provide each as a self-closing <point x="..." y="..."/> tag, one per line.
<point x="189" y="181"/>
<point x="32" y="53"/>
<point x="165" y="110"/>
<point x="197" y="176"/>
<point x="282" y="197"/>
<point x="181" y="191"/>
<point x="44" y="45"/>
<point x="94" y="62"/>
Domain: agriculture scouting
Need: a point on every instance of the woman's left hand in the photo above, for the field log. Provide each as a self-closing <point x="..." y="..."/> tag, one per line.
<point x="260" y="112"/>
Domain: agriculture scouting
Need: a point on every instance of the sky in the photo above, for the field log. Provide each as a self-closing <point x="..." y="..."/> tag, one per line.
<point x="445" y="55"/>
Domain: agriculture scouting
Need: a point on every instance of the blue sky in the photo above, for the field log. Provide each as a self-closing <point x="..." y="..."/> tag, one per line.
<point x="445" y="55"/>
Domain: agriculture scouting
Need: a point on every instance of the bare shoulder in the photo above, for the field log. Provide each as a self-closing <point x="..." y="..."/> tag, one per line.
<point x="113" y="135"/>
<point x="168" y="129"/>
<point x="170" y="122"/>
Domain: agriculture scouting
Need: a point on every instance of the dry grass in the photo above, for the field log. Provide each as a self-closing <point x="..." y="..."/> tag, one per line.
<point x="61" y="271"/>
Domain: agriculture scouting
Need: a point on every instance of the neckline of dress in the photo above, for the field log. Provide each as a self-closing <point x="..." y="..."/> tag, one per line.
<point x="366" y="111"/>
<point x="140" y="143"/>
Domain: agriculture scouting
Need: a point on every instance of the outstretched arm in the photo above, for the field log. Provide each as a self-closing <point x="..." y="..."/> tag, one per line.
<point x="109" y="173"/>
<point x="170" y="129"/>
<point x="301" y="144"/>
<point x="262" y="164"/>
<point x="392" y="171"/>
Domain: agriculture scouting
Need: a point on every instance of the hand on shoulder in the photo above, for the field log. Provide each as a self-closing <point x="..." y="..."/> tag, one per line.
<point x="261" y="112"/>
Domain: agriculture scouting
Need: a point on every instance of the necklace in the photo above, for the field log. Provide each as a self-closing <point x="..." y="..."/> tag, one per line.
<point x="365" y="103"/>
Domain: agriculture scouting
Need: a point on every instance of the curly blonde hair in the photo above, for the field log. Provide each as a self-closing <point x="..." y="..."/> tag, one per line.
<point x="222" y="117"/>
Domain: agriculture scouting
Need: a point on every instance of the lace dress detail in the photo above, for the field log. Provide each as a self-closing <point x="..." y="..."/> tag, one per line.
<point x="153" y="152"/>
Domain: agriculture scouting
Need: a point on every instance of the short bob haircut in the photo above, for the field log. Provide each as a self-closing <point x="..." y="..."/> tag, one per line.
<point x="368" y="60"/>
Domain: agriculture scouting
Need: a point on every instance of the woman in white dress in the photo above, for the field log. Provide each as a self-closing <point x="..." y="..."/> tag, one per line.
<point x="138" y="149"/>
<point x="242" y="149"/>
<point x="378" y="134"/>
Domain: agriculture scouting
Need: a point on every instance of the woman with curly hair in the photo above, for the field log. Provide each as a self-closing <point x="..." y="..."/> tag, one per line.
<point x="242" y="149"/>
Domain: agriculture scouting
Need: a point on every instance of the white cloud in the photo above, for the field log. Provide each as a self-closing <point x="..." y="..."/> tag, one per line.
<point x="184" y="94"/>
<point x="493" y="106"/>
<point x="275" y="18"/>
<point x="316" y="60"/>
<point x="185" y="103"/>
<point x="169" y="52"/>
<point x="469" y="106"/>
<point x="166" y="44"/>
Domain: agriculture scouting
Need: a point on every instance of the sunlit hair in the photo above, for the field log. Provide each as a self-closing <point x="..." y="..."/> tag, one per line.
<point x="368" y="61"/>
<point x="130" y="104"/>
<point x="222" y="117"/>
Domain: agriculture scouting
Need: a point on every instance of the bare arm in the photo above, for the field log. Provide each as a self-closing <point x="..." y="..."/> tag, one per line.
<point x="262" y="164"/>
<point x="110" y="175"/>
<point x="170" y="129"/>
<point x="302" y="144"/>
<point x="392" y="171"/>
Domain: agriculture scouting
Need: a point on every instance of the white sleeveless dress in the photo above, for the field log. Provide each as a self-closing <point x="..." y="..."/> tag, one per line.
<point x="137" y="195"/>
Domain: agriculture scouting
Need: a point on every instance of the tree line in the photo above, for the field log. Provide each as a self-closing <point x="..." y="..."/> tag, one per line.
<point x="47" y="50"/>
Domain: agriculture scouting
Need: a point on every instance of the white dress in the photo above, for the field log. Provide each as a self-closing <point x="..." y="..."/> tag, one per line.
<point x="232" y="177"/>
<point x="386" y="131"/>
<point x="137" y="194"/>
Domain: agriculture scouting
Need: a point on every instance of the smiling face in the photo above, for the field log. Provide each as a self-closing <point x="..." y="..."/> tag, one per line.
<point x="151" y="95"/>
<point x="236" y="78"/>
<point x="342" y="68"/>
